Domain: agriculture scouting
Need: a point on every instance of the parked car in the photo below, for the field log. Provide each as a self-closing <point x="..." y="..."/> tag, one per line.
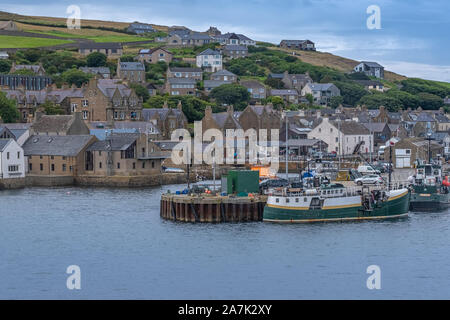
<point x="380" y="168"/>
<point x="369" y="179"/>
<point x="368" y="170"/>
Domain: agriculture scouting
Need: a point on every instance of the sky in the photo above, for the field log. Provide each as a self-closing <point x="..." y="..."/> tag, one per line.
<point x="413" y="38"/>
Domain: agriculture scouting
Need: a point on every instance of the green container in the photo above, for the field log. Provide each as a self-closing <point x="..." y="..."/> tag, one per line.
<point x="242" y="182"/>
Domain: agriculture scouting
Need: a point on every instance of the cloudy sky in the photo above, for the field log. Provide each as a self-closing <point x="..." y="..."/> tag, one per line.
<point x="413" y="40"/>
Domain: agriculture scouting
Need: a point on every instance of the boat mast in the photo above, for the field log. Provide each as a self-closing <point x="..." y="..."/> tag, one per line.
<point x="390" y="165"/>
<point x="287" y="148"/>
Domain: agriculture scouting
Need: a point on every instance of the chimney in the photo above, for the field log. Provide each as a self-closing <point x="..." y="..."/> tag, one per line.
<point x="208" y="112"/>
<point x="38" y="115"/>
<point x="230" y="110"/>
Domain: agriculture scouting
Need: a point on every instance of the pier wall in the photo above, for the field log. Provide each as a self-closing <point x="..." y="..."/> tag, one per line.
<point x="213" y="209"/>
<point x="15" y="183"/>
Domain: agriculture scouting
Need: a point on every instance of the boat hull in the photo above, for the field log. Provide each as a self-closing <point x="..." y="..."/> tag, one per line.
<point x="396" y="207"/>
<point x="429" y="202"/>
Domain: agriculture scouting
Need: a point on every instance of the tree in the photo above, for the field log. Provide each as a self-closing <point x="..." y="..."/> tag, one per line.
<point x="336" y="101"/>
<point x="310" y="98"/>
<point x="231" y="94"/>
<point x="5" y="66"/>
<point x="96" y="59"/>
<point x="75" y="76"/>
<point x="274" y="83"/>
<point x="127" y="58"/>
<point x="351" y="92"/>
<point x="140" y="90"/>
<point x="51" y="109"/>
<point x="8" y="110"/>
<point x="429" y="101"/>
<point x="374" y="101"/>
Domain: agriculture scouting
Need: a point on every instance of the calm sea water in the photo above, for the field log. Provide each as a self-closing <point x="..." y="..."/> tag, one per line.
<point x="126" y="251"/>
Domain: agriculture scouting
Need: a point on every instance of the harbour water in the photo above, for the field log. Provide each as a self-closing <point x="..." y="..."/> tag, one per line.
<point x="126" y="251"/>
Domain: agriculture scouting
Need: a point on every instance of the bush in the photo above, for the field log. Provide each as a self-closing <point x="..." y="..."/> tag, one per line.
<point x="8" y="110"/>
<point x="231" y="94"/>
<point x="96" y="59"/>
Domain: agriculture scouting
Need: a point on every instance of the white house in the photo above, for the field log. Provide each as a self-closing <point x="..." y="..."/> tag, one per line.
<point x="342" y="136"/>
<point x="210" y="59"/>
<point x="370" y="68"/>
<point x="12" y="159"/>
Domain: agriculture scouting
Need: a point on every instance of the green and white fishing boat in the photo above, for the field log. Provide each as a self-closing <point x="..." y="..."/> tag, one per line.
<point x="336" y="203"/>
<point x="430" y="192"/>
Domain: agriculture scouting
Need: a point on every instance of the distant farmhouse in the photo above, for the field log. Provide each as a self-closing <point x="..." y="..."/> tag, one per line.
<point x="8" y="26"/>
<point x="140" y="28"/>
<point x="371" y="69"/>
<point x="298" y="44"/>
<point x="112" y="49"/>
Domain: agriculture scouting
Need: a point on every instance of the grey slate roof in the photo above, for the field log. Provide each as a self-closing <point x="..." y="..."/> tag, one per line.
<point x="223" y="72"/>
<point x="68" y="146"/>
<point x="53" y="123"/>
<point x="283" y="92"/>
<point x="4" y="143"/>
<point x="372" y="64"/>
<point x="132" y="66"/>
<point x="375" y="126"/>
<point x="215" y="83"/>
<point x="209" y="52"/>
<point x="181" y="69"/>
<point x="115" y="142"/>
<point x="100" y="70"/>
<point x="320" y="86"/>
<point x="350" y="127"/>
<point x="147" y="114"/>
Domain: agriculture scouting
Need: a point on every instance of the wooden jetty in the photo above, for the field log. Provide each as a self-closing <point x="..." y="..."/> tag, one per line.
<point x="212" y="209"/>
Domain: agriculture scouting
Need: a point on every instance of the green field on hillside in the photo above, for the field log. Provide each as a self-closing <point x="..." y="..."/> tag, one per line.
<point x="28" y="42"/>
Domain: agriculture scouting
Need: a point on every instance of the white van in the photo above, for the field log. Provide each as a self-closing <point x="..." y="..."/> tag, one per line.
<point x="367" y="170"/>
<point x="381" y="151"/>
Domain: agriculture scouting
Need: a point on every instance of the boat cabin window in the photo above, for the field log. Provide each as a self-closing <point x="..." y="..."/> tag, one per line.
<point x="305" y="199"/>
<point x="277" y="200"/>
<point x="287" y="200"/>
<point x="296" y="199"/>
<point x="428" y="170"/>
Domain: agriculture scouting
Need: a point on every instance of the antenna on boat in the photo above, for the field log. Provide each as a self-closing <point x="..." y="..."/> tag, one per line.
<point x="287" y="147"/>
<point x="429" y="146"/>
<point x="391" y="143"/>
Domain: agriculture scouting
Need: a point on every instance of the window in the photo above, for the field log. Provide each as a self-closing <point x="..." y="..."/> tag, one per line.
<point x="85" y="114"/>
<point x="296" y="199"/>
<point x="85" y="103"/>
<point x="7" y="155"/>
<point x="14" y="168"/>
<point x="53" y="167"/>
<point x="41" y="167"/>
<point x="99" y="165"/>
<point x="153" y="164"/>
<point x="134" y="165"/>
<point x="52" y="157"/>
<point x="118" y="165"/>
<point x="30" y="166"/>
<point x="277" y="200"/>
<point x="73" y="107"/>
<point x="143" y="164"/>
<point x="64" y="167"/>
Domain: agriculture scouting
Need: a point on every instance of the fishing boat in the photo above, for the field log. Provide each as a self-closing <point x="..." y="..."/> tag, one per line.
<point x="335" y="203"/>
<point x="429" y="190"/>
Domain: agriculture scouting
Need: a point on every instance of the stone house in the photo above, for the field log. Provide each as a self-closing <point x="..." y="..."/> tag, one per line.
<point x="181" y="86"/>
<point x="101" y="72"/>
<point x="260" y="117"/>
<point x="257" y="90"/>
<point x="127" y="154"/>
<point x="298" y="44"/>
<point x="155" y="55"/>
<point x="210" y="60"/>
<point x="109" y="100"/>
<point x="12" y="159"/>
<point x="224" y="75"/>
<point x="371" y="69"/>
<point x="112" y="49"/>
<point x="288" y="95"/>
<point x="61" y="125"/>
<point x="37" y="69"/>
<point x="132" y="71"/>
<point x="193" y="73"/>
<point x="234" y="39"/>
<point x="296" y="81"/>
<point x="8" y="26"/>
<point x="17" y="131"/>
<point x="166" y="119"/>
<point x="321" y="92"/>
<point x="222" y="120"/>
<point x="408" y="150"/>
<point x="342" y="136"/>
<point x="29" y="101"/>
<point x="57" y="155"/>
<point x="209" y="85"/>
<point x="380" y="130"/>
<point x="140" y="28"/>
<point x="234" y="51"/>
<point x="371" y="85"/>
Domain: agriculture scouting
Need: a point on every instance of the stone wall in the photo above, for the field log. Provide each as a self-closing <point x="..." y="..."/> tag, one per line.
<point x="48" y="181"/>
<point x="15" y="183"/>
<point x="132" y="181"/>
